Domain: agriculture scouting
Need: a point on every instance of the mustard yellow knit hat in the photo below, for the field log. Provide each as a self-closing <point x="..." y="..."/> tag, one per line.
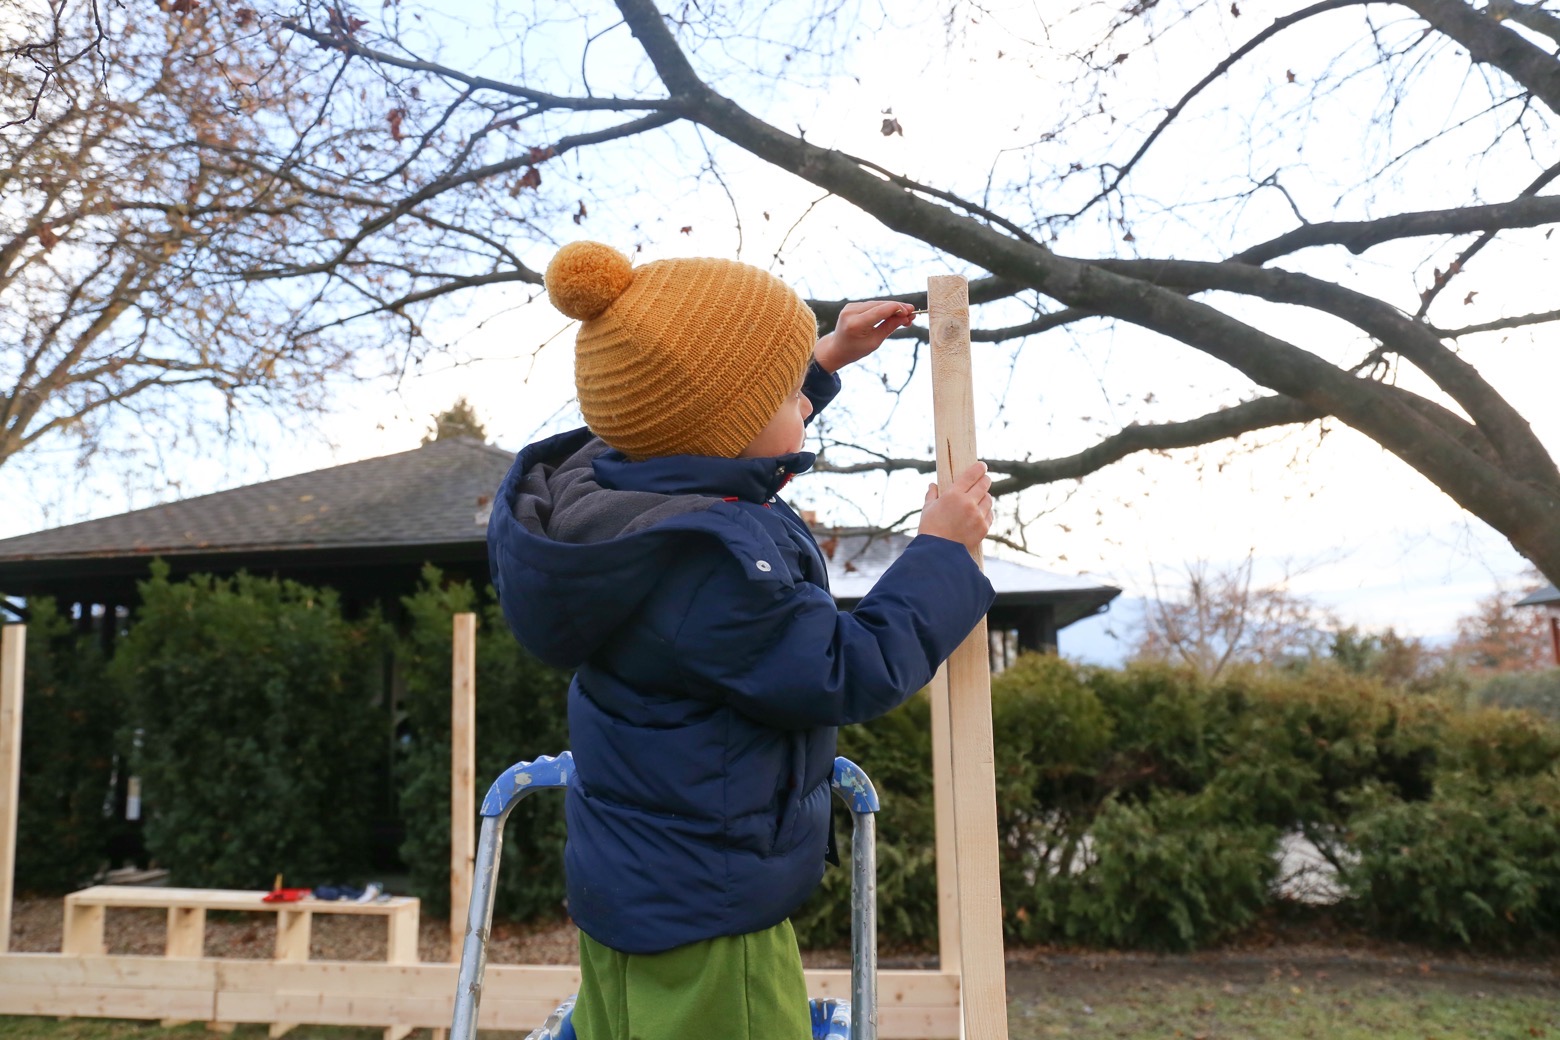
<point x="679" y="357"/>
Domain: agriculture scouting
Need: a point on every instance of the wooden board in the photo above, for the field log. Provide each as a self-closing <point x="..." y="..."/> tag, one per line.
<point x="136" y="896"/>
<point x="914" y="1005"/>
<point x="969" y="684"/>
<point x="186" y="931"/>
<point x="463" y="776"/>
<point x="942" y="816"/>
<point x="13" y="657"/>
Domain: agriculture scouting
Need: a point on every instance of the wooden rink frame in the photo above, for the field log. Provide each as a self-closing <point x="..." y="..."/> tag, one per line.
<point x="397" y="995"/>
<point x="404" y="993"/>
<point x="516" y="998"/>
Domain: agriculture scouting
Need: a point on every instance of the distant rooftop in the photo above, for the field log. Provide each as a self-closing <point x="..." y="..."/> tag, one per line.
<point x="856" y="561"/>
<point x="1548" y="594"/>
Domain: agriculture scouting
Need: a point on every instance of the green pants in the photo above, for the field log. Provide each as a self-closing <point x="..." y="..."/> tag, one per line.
<point x="739" y="987"/>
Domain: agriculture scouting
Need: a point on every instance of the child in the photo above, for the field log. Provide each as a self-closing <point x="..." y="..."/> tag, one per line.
<point x="650" y="553"/>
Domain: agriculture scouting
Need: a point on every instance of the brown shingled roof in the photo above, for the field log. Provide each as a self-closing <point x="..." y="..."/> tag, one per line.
<point x="437" y="493"/>
<point x="428" y="504"/>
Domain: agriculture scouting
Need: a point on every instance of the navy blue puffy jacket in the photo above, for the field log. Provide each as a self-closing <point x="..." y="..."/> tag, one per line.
<point x="712" y="670"/>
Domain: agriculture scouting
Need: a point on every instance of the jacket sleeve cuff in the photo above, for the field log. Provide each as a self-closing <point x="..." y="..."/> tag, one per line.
<point x="820" y="387"/>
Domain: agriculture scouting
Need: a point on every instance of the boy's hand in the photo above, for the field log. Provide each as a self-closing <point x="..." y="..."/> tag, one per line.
<point x="861" y="329"/>
<point x="963" y="514"/>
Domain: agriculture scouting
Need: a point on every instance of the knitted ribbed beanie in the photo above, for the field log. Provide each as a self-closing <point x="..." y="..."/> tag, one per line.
<point x="679" y="357"/>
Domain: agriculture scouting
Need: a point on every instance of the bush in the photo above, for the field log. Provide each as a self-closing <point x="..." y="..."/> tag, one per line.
<point x="1537" y="692"/>
<point x="1303" y="744"/>
<point x="1168" y="873"/>
<point x="1478" y="863"/>
<point x="70" y="719"/>
<point x="1495" y="743"/>
<point x="521" y="714"/>
<point x="1142" y="807"/>
<point x="251" y="700"/>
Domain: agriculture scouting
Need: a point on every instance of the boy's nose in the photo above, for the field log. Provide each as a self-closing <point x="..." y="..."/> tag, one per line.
<point x="806" y="407"/>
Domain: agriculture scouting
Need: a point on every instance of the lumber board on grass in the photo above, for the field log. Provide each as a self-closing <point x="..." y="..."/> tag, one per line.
<point x="463" y="775"/>
<point x="374" y="980"/>
<point x="981" y="961"/>
<point x="105" y="1002"/>
<point x="115" y="972"/>
<point x="106" y="987"/>
<point x="13" y="658"/>
<point x="914" y="1005"/>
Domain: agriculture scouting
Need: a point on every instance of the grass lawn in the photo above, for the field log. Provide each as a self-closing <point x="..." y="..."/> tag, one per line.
<point x="1354" y="1009"/>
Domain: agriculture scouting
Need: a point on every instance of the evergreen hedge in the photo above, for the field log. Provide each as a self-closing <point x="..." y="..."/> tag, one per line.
<point x="521" y="714"/>
<point x="1142" y="808"/>
<point x="254" y="732"/>
<point x="70" y="721"/>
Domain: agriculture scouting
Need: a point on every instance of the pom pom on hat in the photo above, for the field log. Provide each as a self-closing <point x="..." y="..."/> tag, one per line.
<point x="584" y="279"/>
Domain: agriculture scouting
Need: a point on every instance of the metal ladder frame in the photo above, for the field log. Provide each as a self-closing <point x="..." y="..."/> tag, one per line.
<point x="849" y="783"/>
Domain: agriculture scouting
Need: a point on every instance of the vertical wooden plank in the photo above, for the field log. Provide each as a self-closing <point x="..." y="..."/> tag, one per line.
<point x="401" y="944"/>
<point x="401" y="948"/>
<point x="969" y="684"/>
<point x="463" y="758"/>
<point x="186" y="938"/>
<point x="83" y="935"/>
<point x="294" y="929"/>
<point x="13" y="658"/>
<point x="942" y="814"/>
<point x="186" y="932"/>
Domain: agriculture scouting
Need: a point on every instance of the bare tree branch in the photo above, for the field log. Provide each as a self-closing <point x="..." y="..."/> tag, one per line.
<point x="1360" y="235"/>
<point x="1278" y="26"/>
<point x="1263" y="413"/>
<point x="1500" y="323"/>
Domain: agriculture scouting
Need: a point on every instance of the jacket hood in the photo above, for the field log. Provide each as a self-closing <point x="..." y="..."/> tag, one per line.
<point x="579" y="535"/>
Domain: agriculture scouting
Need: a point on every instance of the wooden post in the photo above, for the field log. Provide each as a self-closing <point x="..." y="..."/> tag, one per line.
<point x="969" y="692"/>
<point x="294" y="928"/>
<point x="463" y="757"/>
<point x="942" y="816"/>
<point x="13" y="658"/>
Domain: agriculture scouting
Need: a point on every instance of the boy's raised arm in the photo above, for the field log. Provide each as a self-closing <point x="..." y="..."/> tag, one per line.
<point x="793" y="659"/>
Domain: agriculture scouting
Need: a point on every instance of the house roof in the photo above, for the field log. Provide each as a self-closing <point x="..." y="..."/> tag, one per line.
<point x="440" y="492"/>
<point x="429" y="504"/>
<point x="366" y="527"/>
<point x="856" y="561"/>
<point x="1546" y="595"/>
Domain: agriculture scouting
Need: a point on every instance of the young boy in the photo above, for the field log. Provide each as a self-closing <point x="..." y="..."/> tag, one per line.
<point x="650" y="552"/>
